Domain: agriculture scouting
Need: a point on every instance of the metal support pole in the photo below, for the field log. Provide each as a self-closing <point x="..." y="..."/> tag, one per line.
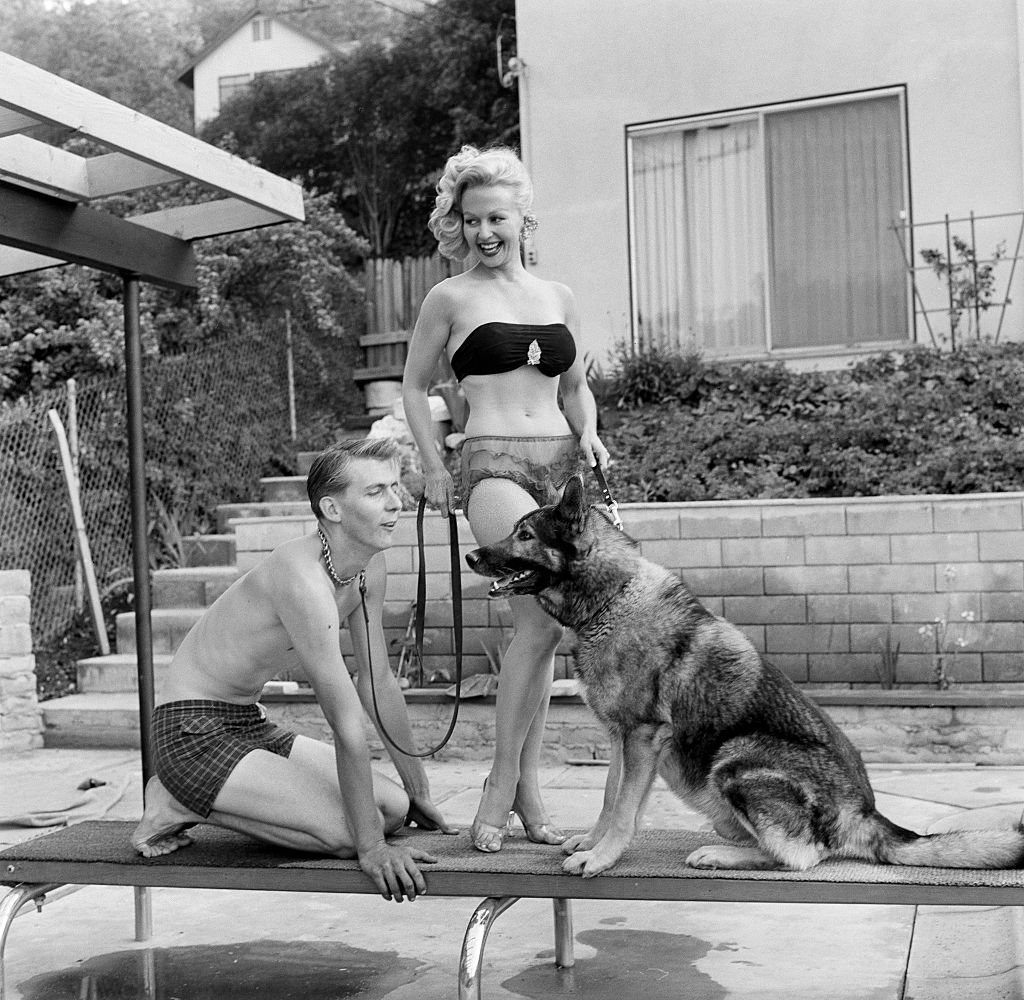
<point x="565" y="957"/>
<point x="140" y="545"/>
<point x="10" y="905"/>
<point x="143" y="913"/>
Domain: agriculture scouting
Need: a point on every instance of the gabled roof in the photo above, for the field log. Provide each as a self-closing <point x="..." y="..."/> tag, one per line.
<point x="257" y="10"/>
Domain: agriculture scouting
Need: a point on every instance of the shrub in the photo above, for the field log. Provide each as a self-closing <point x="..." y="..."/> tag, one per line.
<point x="918" y="422"/>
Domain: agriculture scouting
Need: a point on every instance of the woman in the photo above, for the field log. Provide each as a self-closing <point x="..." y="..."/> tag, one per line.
<point x="511" y="339"/>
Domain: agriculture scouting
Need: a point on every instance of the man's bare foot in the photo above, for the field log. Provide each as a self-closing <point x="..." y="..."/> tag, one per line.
<point x="164" y="822"/>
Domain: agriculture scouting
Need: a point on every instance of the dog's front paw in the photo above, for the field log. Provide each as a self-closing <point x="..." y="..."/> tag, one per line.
<point x="585" y="863"/>
<point x="589" y="863"/>
<point x="730" y="857"/>
<point x="703" y="857"/>
<point x="579" y="842"/>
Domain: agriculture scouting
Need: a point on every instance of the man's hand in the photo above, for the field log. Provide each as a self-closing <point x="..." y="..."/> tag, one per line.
<point x="393" y="868"/>
<point x="426" y="816"/>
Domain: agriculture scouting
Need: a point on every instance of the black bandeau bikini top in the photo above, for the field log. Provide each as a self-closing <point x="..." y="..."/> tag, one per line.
<point x="493" y="348"/>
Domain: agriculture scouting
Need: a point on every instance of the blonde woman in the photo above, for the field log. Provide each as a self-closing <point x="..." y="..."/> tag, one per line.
<point x="513" y="343"/>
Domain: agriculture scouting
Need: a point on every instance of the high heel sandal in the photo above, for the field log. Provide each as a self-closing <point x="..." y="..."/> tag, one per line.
<point x="539" y="833"/>
<point x="487" y="838"/>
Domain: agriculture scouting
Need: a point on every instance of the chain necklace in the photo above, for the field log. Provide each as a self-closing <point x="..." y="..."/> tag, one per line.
<point x="338" y="581"/>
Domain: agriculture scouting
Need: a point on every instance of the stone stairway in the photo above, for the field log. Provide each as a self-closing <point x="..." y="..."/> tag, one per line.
<point x="104" y="711"/>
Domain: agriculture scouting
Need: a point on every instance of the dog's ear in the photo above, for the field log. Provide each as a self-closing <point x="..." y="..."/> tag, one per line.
<point x="573" y="507"/>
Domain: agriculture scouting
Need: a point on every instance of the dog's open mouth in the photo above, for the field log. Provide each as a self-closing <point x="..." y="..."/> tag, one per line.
<point x="523" y="581"/>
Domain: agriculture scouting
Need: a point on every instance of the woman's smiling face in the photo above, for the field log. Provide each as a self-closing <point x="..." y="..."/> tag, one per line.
<point x="491" y="223"/>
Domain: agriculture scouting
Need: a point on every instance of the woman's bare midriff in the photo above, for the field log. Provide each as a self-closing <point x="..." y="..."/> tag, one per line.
<point x="519" y="403"/>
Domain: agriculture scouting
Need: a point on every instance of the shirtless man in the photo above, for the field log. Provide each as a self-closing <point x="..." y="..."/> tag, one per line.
<point x="219" y="761"/>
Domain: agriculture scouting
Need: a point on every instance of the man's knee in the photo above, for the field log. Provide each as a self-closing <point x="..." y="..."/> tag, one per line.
<point x="394" y="810"/>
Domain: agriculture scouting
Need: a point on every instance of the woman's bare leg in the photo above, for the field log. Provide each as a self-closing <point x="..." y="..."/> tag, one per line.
<point x="526" y="671"/>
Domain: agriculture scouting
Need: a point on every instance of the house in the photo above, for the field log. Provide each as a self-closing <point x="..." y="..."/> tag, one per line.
<point x="258" y="42"/>
<point x="756" y="177"/>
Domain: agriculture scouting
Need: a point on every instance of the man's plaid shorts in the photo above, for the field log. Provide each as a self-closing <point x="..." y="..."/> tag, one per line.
<point x="198" y="743"/>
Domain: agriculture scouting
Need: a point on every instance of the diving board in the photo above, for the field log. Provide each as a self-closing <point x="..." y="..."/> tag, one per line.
<point x="98" y="853"/>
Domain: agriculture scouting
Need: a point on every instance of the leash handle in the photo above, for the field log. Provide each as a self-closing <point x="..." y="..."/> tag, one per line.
<point x="421" y="606"/>
<point x="609" y="501"/>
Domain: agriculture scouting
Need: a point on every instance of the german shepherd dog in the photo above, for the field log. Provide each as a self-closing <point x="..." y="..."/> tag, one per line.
<point x="685" y="695"/>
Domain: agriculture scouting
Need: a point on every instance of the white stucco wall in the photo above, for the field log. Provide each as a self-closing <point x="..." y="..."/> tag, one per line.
<point x="237" y="54"/>
<point x="595" y="66"/>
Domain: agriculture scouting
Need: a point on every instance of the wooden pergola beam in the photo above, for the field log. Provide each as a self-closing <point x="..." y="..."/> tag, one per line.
<point x="208" y="218"/>
<point x="27" y="90"/>
<point x="14" y="261"/>
<point x="50" y="226"/>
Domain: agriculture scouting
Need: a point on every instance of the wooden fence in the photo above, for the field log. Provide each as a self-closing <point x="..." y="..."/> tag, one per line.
<point x="395" y="290"/>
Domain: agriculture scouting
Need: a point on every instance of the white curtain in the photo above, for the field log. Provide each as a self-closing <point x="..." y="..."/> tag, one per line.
<point x="703" y="234"/>
<point x="835" y="187"/>
<point x="699" y="238"/>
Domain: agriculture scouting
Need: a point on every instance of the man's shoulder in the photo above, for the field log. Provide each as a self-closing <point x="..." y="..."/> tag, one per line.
<point x="292" y="562"/>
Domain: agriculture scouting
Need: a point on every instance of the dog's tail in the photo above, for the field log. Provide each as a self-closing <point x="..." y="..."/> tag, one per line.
<point x="992" y="848"/>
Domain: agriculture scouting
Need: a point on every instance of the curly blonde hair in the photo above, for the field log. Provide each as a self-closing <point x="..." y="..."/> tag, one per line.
<point x="469" y="168"/>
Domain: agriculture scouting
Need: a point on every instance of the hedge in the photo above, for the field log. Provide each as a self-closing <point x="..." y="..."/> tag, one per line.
<point x="903" y="423"/>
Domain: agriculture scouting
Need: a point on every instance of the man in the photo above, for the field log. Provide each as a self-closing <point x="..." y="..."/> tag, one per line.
<point x="219" y="761"/>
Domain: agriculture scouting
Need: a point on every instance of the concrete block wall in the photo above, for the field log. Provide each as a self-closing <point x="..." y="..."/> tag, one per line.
<point x="21" y="720"/>
<point x="818" y="585"/>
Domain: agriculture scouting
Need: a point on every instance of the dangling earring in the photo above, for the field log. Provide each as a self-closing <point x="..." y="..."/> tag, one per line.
<point x="528" y="229"/>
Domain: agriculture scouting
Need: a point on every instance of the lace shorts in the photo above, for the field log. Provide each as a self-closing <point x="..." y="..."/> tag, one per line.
<point x="540" y="465"/>
<point x="198" y="743"/>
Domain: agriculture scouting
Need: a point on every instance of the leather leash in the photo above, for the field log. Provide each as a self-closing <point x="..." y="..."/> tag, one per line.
<point x="609" y="502"/>
<point x="421" y="608"/>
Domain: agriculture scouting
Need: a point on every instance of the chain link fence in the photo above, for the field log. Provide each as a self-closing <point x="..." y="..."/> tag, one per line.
<point x="216" y="420"/>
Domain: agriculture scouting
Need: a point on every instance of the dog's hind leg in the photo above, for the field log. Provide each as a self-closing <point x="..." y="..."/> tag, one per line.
<point x="641" y="751"/>
<point x="776" y="809"/>
<point x="585" y="841"/>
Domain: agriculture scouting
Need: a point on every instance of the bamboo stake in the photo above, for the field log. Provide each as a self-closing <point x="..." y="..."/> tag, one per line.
<point x="81" y="538"/>
<point x="72" y="388"/>
<point x="291" y="371"/>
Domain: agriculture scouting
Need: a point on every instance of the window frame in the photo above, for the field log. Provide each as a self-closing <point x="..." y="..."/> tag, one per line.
<point x="234" y="89"/>
<point x="759" y="113"/>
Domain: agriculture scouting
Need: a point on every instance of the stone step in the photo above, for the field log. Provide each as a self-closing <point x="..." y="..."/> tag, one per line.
<point x="191" y="586"/>
<point x="209" y="550"/>
<point x="91" y="721"/>
<point x="117" y="672"/>
<point x="304" y="460"/>
<point x="277" y="488"/>
<point x="229" y="512"/>
<point x="913" y="733"/>
<point x="170" y="626"/>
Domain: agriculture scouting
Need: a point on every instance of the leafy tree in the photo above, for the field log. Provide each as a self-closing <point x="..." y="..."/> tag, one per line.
<point x="375" y="126"/>
<point x="130" y="53"/>
<point x="68" y="321"/>
<point x="133" y="52"/>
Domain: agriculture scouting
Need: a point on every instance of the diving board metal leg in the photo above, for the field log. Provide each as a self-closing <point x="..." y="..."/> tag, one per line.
<point x="143" y="913"/>
<point x="10" y="906"/>
<point x="471" y="960"/>
<point x="565" y="957"/>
